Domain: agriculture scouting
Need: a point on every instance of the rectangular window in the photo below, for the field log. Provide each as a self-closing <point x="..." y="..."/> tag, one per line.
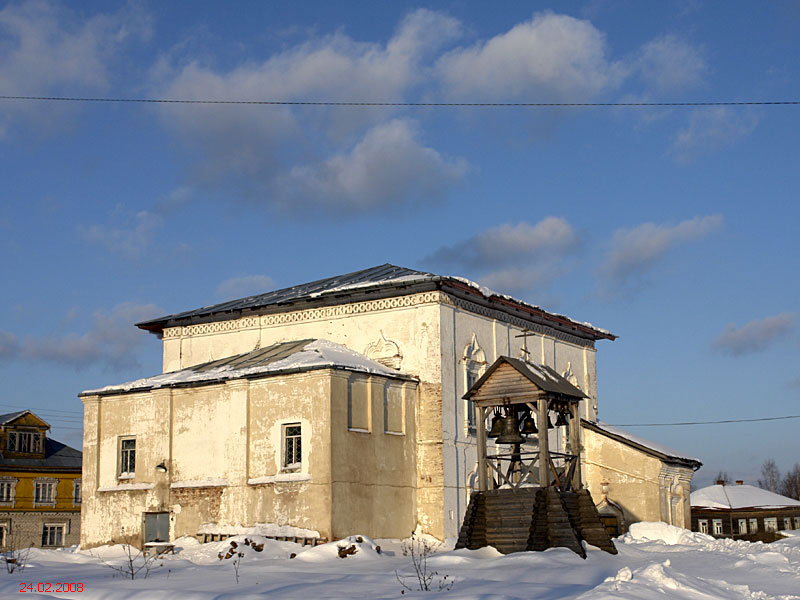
<point x="770" y="523"/>
<point x="717" y="526"/>
<point x="358" y="406"/>
<point x="127" y="457"/>
<point x="24" y="442"/>
<point x="53" y="534"/>
<point x="393" y="410"/>
<point x="702" y="525"/>
<point x="753" y="525"/>
<point x="797" y="522"/>
<point x="3" y="534"/>
<point x="44" y="492"/>
<point x="292" y="446"/>
<point x="76" y="492"/>
<point x="742" y="525"/>
<point x="472" y="377"/>
<point x="7" y="487"/>
<point x="787" y="523"/>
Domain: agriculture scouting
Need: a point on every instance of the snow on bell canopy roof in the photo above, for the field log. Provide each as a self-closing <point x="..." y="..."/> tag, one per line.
<point x="384" y="281"/>
<point x="278" y="359"/>
<point x="738" y="497"/>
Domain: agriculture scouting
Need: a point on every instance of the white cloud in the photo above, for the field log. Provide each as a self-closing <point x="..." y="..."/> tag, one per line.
<point x="551" y="57"/>
<point x="388" y="166"/>
<point x="634" y="251"/>
<point x="670" y="63"/>
<point x="755" y="336"/>
<point x="243" y="286"/>
<point x="45" y="48"/>
<point x="130" y="242"/>
<point x="255" y="144"/>
<point x="111" y="340"/>
<point x="711" y="128"/>
<point x="513" y="257"/>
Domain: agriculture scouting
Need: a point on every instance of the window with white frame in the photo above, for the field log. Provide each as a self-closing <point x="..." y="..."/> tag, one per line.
<point x="797" y="522"/>
<point x="24" y="442"/>
<point x="753" y="523"/>
<point x="787" y="523"/>
<point x="127" y="456"/>
<point x="8" y="486"/>
<point x="292" y="447"/>
<point x="76" y="492"/>
<point x="702" y="525"/>
<point x="717" y="526"/>
<point x="770" y="523"/>
<point x="742" y="525"/>
<point x="44" y="492"/>
<point x="53" y="534"/>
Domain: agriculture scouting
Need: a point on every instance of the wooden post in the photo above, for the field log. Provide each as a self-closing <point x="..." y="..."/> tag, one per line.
<point x="575" y="442"/>
<point x="542" y="405"/>
<point x="483" y="484"/>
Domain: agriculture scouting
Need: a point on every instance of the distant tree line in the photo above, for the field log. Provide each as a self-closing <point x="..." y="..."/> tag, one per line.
<point x="788" y="485"/>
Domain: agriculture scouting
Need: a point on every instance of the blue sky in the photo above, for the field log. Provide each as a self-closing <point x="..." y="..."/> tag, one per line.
<point x="675" y="228"/>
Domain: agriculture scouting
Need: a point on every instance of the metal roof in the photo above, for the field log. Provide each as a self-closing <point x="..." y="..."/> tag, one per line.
<point x="278" y="359"/>
<point x="647" y="446"/>
<point x="56" y="456"/>
<point x="382" y="281"/>
<point x="8" y="417"/>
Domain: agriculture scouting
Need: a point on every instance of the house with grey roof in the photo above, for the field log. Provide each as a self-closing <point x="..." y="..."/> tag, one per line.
<point x="40" y="485"/>
<point x="321" y="409"/>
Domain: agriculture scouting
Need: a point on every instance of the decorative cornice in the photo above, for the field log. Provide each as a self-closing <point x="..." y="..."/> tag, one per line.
<point x="518" y="322"/>
<point x="369" y="306"/>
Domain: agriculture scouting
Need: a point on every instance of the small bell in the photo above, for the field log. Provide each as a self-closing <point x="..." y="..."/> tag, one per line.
<point x="561" y="421"/>
<point x="497" y="426"/>
<point x="511" y="434"/>
<point x="529" y="426"/>
<point x="549" y="422"/>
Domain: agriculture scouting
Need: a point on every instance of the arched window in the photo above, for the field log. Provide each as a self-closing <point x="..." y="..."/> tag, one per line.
<point x="474" y="365"/>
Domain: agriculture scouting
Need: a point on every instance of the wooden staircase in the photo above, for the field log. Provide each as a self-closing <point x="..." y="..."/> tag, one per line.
<point x="515" y="520"/>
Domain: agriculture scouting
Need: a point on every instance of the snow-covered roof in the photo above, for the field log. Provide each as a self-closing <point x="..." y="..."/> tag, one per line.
<point x="642" y="443"/>
<point x="735" y="497"/>
<point x="284" y="357"/>
<point x="386" y="280"/>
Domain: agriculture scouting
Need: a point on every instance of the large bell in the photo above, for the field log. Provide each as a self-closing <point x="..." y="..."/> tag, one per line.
<point x="511" y="434"/>
<point x="529" y="426"/>
<point x="497" y="426"/>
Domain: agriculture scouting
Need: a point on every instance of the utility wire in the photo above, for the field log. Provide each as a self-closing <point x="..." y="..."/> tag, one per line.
<point x="704" y="422"/>
<point x="390" y="104"/>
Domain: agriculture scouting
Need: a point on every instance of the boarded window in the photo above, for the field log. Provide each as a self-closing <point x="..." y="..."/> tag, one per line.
<point x="611" y="524"/>
<point x="393" y="409"/>
<point x="358" y="405"/>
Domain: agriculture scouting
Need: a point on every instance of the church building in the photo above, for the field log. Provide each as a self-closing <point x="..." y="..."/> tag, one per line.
<point x="336" y="407"/>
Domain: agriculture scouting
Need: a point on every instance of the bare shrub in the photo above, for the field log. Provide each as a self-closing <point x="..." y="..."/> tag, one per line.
<point x="419" y="548"/>
<point x="16" y="555"/>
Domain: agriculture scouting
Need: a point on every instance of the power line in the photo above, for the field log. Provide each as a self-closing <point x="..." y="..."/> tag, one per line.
<point x="407" y="104"/>
<point x="705" y="422"/>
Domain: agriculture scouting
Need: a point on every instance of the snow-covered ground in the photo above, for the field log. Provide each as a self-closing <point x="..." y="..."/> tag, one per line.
<point x="655" y="561"/>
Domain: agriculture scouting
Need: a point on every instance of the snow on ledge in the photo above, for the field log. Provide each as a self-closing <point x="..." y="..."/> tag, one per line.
<point x="265" y="529"/>
<point x="279" y="478"/>
<point x="124" y="487"/>
<point x="199" y="483"/>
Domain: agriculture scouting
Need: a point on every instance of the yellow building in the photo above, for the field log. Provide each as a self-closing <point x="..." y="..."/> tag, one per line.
<point x="40" y="485"/>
